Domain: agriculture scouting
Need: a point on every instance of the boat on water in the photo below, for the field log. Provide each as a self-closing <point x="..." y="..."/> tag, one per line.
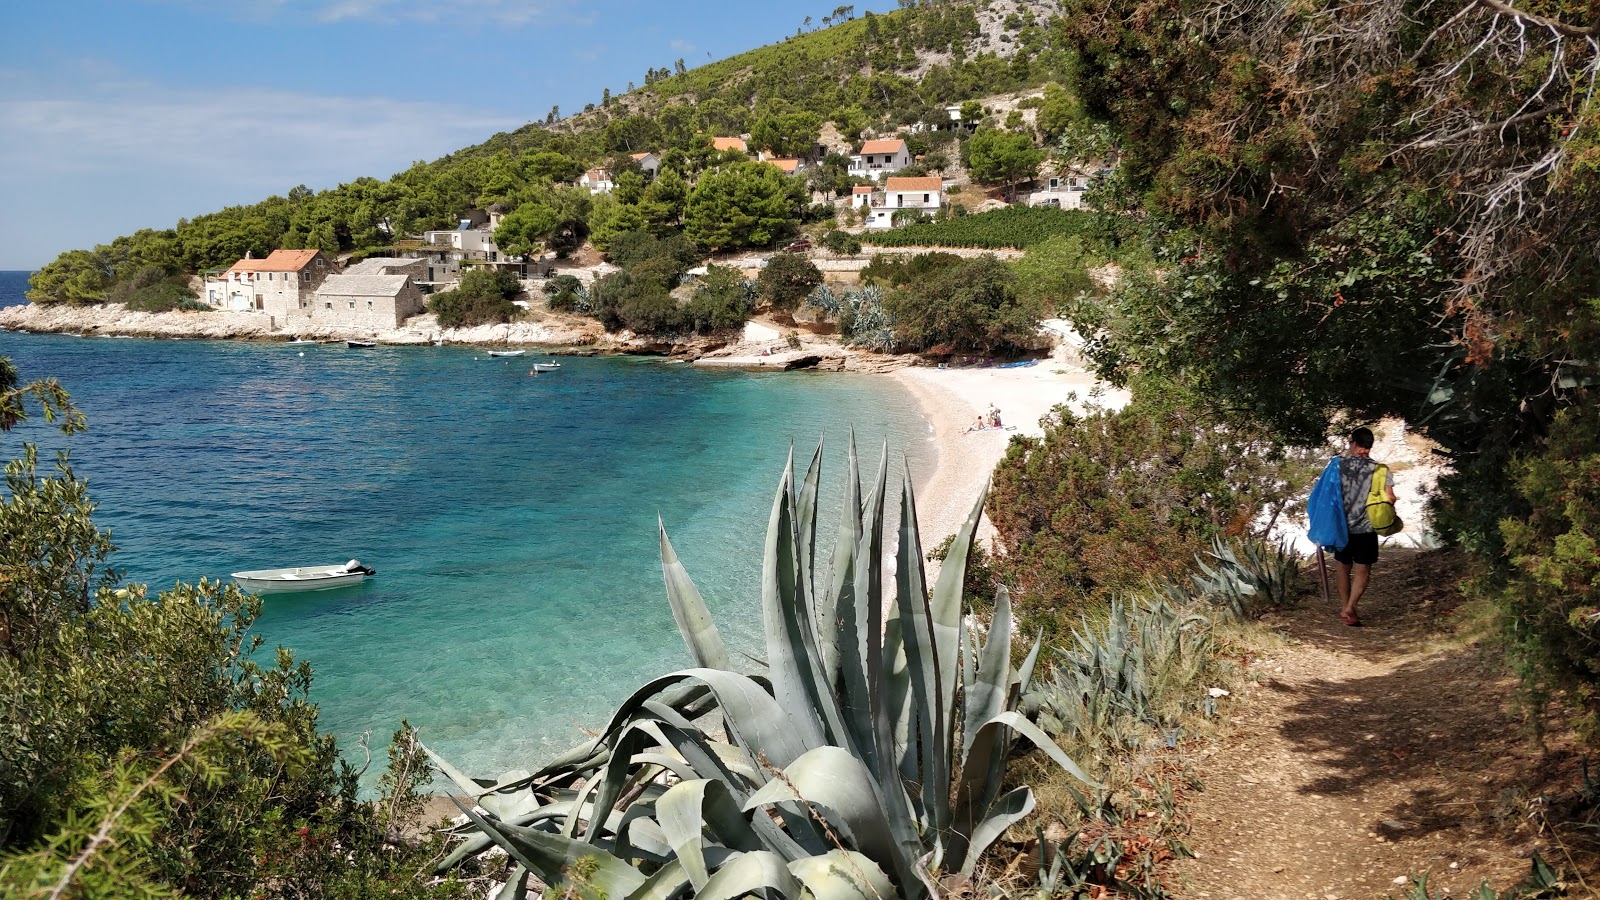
<point x="361" y="345"/>
<point x="506" y="353"/>
<point x="302" y="341"/>
<point x="303" y="578"/>
<point x="546" y="367"/>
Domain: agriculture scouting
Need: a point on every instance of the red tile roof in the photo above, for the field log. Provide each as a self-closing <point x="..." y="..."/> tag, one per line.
<point x="930" y="183"/>
<point x="277" y="261"/>
<point x="862" y="189"/>
<point x="729" y="143"/>
<point x="641" y="155"/>
<point x="788" y="166"/>
<point x="894" y="145"/>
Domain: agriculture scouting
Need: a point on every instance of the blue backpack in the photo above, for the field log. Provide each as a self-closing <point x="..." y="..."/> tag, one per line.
<point x="1325" y="510"/>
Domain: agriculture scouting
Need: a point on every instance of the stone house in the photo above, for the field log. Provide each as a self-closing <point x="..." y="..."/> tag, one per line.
<point x="281" y="285"/>
<point x="923" y="195"/>
<point x="380" y="302"/>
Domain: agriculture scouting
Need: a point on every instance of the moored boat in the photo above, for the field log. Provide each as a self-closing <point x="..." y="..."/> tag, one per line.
<point x="301" y="341"/>
<point x="546" y="366"/>
<point x="303" y="578"/>
<point x="361" y="345"/>
<point x="506" y="353"/>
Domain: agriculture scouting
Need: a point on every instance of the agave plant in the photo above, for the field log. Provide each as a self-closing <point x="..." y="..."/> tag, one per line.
<point x="867" y="758"/>
<point x="1247" y="576"/>
<point x="1127" y="671"/>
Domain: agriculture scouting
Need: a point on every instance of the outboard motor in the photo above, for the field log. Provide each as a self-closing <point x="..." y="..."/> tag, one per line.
<point x="355" y="565"/>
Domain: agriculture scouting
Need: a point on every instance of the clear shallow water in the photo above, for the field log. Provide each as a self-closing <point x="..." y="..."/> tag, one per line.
<point x="511" y="518"/>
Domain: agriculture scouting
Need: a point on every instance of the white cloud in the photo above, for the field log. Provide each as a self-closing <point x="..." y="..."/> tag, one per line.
<point x="148" y="153"/>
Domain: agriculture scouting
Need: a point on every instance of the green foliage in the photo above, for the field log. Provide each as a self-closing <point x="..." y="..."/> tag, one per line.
<point x="610" y="218"/>
<point x="744" y="204"/>
<point x="721" y="300"/>
<point x="842" y="242"/>
<point x="1138" y="672"/>
<point x="971" y="305"/>
<point x="1551" y="598"/>
<point x="1002" y="157"/>
<point x="151" y="289"/>
<point x="483" y="297"/>
<point x="787" y="278"/>
<point x="1102" y="504"/>
<point x="862" y="762"/>
<point x="638" y="247"/>
<point x="899" y="270"/>
<point x="862" y="320"/>
<point x="786" y="133"/>
<point x="147" y="752"/>
<point x="53" y="401"/>
<point x="1243" y="577"/>
<point x="565" y="293"/>
<point x="1013" y="227"/>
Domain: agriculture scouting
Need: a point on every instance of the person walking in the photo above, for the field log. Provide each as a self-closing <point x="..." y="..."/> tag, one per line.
<point x="1356" y="558"/>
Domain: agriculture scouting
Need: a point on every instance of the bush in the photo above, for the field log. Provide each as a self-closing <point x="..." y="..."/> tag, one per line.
<point x="638" y="300"/>
<point x="972" y="305"/>
<point x="636" y="247"/>
<point x="565" y="293"/>
<point x="1102" y="504"/>
<point x="898" y="270"/>
<point x="721" y="300"/>
<point x="154" y="290"/>
<point x="787" y="279"/>
<point x="842" y="242"/>
<point x="482" y="298"/>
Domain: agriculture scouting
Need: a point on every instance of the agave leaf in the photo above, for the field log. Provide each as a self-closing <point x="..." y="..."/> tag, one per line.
<point x="748" y="872"/>
<point x="843" y="875"/>
<point x="471" y="787"/>
<point x="1010" y="809"/>
<point x="922" y="662"/>
<point x="805" y="518"/>
<point x="687" y="809"/>
<point x="947" y="598"/>
<point x="516" y="888"/>
<point x="689" y="610"/>
<point x="792" y="662"/>
<point x="835" y="609"/>
<point x="843" y="792"/>
<point x="753" y="718"/>
<point x="862" y="631"/>
<point x="671" y="880"/>
<point x="1025" y="674"/>
<point x="987" y="695"/>
<point x="549" y="856"/>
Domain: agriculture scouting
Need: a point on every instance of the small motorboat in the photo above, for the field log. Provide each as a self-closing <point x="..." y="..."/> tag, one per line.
<point x="361" y="345"/>
<point x="506" y="353"/>
<point x="301" y="342"/>
<point x="303" y="578"/>
<point x="546" y="366"/>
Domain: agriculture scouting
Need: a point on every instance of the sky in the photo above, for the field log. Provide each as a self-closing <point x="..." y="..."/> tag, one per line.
<point x="117" y="115"/>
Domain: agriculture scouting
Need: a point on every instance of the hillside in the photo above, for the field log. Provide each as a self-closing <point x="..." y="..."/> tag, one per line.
<point x="863" y="74"/>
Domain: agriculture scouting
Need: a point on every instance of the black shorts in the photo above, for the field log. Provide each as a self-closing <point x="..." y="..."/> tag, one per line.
<point x="1362" y="549"/>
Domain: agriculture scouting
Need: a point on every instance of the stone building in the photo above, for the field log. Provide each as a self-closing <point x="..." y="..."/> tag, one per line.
<point x="281" y="285"/>
<point x="380" y="302"/>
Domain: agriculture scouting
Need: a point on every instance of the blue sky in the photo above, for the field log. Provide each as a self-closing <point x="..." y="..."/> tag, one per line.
<point x="134" y="113"/>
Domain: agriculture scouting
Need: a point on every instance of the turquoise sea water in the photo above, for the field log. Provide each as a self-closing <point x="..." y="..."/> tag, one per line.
<point x="511" y="518"/>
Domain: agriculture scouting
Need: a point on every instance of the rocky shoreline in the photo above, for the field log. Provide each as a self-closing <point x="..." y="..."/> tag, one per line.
<point x="758" y="348"/>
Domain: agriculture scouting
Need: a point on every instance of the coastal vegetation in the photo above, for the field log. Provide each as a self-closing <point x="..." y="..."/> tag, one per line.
<point x="483" y="297"/>
<point x="1010" y="228"/>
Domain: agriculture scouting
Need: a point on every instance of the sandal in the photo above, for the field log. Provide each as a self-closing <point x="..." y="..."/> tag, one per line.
<point x="1352" y="621"/>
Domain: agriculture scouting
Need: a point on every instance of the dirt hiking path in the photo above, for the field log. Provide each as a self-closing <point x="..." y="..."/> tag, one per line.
<point x="1364" y="755"/>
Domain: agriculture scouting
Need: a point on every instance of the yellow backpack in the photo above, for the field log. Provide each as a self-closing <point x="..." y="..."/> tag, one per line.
<point x="1380" y="511"/>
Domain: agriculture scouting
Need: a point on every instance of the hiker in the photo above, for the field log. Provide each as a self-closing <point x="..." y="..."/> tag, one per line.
<point x="1355" y="559"/>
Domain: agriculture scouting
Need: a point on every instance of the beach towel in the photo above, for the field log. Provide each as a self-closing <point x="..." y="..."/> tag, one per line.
<point x="1325" y="510"/>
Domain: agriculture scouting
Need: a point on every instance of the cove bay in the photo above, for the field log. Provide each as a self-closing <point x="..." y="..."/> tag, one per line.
<point x="512" y="519"/>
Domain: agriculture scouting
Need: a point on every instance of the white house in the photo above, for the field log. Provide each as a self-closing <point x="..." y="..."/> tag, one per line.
<point x="860" y="195"/>
<point x="597" y="180"/>
<point x="280" y="285"/>
<point x="650" y="163"/>
<point x="877" y="158"/>
<point x="469" y="242"/>
<point x="923" y="195"/>
<point x="1064" y="187"/>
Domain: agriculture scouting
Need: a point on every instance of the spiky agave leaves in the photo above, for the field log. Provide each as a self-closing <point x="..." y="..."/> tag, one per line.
<point x="869" y="753"/>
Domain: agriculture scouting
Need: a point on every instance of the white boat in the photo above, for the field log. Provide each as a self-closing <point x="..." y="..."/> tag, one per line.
<point x="507" y="353"/>
<point x="360" y="345"/>
<point x="303" y="578"/>
<point x="546" y="366"/>
<point x="301" y="341"/>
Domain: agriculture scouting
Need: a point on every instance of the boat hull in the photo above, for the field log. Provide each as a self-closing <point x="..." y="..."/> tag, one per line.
<point x="506" y="354"/>
<point x="303" y="578"/>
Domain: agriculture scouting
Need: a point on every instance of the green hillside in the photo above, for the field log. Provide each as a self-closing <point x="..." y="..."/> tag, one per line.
<point x="871" y="71"/>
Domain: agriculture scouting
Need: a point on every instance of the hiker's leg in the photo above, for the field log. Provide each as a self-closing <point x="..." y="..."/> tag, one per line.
<point x="1342" y="577"/>
<point x="1358" y="586"/>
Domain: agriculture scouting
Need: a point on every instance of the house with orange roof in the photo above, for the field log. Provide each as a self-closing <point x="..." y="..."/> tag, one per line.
<point x="280" y="285"/>
<point x="786" y="166"/>
<point x="907" y="196"/>
<point x="649" y="163"/>
<point x="878" y="158"/>
<point x="720" y="144"/>
<point x="861" y="195"/>
<point x="597" y="180"/>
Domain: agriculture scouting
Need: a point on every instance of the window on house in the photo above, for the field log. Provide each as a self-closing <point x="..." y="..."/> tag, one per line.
<point x="1055" y="182"/>
<point x="352" y="304"/>
<point x="369" y="304"/>
<point x="328" y="305"/>
<point x="924" y="198"/>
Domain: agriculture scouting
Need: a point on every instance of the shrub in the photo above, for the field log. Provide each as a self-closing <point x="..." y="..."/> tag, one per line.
<point x="972" y="305"/>
<point x="1242" y="577"/>
<point x="842" y="242"/>
<point x="636" y="247"/>
<point x="565" y="293"/>
<point x="896" y="269"/>
<point x="482" y="298"/>
<point x="721" y="300"/>
<point x="787" y="278"/>
<point x="154" y="290"/>
<point x="1104" y="503"/>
